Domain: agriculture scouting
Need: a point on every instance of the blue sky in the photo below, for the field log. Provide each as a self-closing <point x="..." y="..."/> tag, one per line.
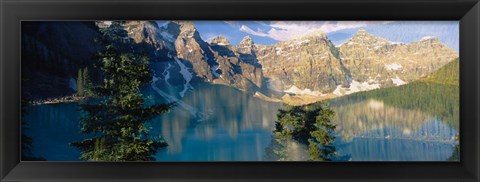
<point x="270" y="32"/>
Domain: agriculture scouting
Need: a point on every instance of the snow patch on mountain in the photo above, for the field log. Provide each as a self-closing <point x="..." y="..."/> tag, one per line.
<point x="278" y="50"/>
<point x="167" y="36"/>
<point x="295" y="90"/>
<point x="187" y="75"/>
<point x="108" y="23"/>
<point x="298" y="43"/>
<point x="396" y="43"/>
<point x="393" y="66"/>
<point x="355" y="86"/>
<point x="166" y="73"/>
<point x="171" y="98"/>
<point x="397" y="81"/>
<point x="339" y="91"/>
<point x="427" y="38"/>
<point x="189" y="48"/>
<point x="214" y="69"/>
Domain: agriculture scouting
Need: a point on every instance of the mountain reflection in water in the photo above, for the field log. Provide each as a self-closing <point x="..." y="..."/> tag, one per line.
<point x="230" y="125"/>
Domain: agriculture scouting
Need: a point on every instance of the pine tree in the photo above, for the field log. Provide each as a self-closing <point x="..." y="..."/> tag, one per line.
<point x="26" y="141"/>
<point x="87" y="83"/>
<point x="311" y="125"/>
<point x="456" y="151"/>
<point x="118" y="120"/>
<point x="278" y="149"/>
<point x="80" y="82"/>
<point x="320" y="145"/>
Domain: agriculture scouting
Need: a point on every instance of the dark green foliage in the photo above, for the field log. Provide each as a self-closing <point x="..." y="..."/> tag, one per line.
<point x="277" y="150"/>
<point x="310" y="125"/>
<point x="26" y="141"/>
<point x="456" y="152"/>
<point x="80" y="82"/>
<point x="448" y="74"/>
<point x="87" y="82"/>
<point x="320" y="145"/>
<point x="84" y="83"/>
<point x="118" y="119"/>
<point x="441" y="100"/>
<point x="437" y="94"/>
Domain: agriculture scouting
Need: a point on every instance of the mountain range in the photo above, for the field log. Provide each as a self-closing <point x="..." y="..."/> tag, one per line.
<point x="301" y="70"/>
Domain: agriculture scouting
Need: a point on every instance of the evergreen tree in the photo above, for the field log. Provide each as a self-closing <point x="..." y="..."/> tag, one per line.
<point x="320" y="145"/>
<point x="26" y="141"/>
<point x="84" y="83"/>
<point x="80" y="82"/>
<point x="87" y="83"/>
<point x="311" y="125"/>
<point x="118" y="120"/>
<point x="456" y="151"/>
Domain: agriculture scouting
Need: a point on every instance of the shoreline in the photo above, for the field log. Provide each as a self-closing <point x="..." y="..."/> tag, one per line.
<point x="58" y="100"/>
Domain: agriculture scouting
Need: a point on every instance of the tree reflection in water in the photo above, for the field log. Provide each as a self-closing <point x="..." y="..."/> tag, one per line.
<point x="304" y="133"/>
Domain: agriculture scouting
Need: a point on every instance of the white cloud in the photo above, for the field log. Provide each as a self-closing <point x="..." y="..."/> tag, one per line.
<point x="208" y="36"/>
<point x="231" y="23"/>
<point x="284" y="30"/>
<point x="248" y="30"/>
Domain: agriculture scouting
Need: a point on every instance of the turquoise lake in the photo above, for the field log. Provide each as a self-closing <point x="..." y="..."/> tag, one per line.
<point x="219" y="123"/>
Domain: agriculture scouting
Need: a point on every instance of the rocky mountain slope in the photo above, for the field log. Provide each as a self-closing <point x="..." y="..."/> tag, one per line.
<point x="307" y="62"/>
<point x="302" y="70"/>
<point x="376" y="60"/>
<point x="236" y="68"/>
<point x="216" y="61"/>
<point x="306" y="68"/>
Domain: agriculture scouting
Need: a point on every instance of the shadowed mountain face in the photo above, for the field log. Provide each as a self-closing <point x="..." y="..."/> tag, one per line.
<point x="190" y="57"/>
<point x="307" y="66"/>
<point x="52" y="53"/>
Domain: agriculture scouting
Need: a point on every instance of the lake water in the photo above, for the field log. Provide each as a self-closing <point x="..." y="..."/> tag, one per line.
<point x="219" y="123"/>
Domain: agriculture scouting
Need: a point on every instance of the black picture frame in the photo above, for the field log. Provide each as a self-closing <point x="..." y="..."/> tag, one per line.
<point x="14" y="11"/>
